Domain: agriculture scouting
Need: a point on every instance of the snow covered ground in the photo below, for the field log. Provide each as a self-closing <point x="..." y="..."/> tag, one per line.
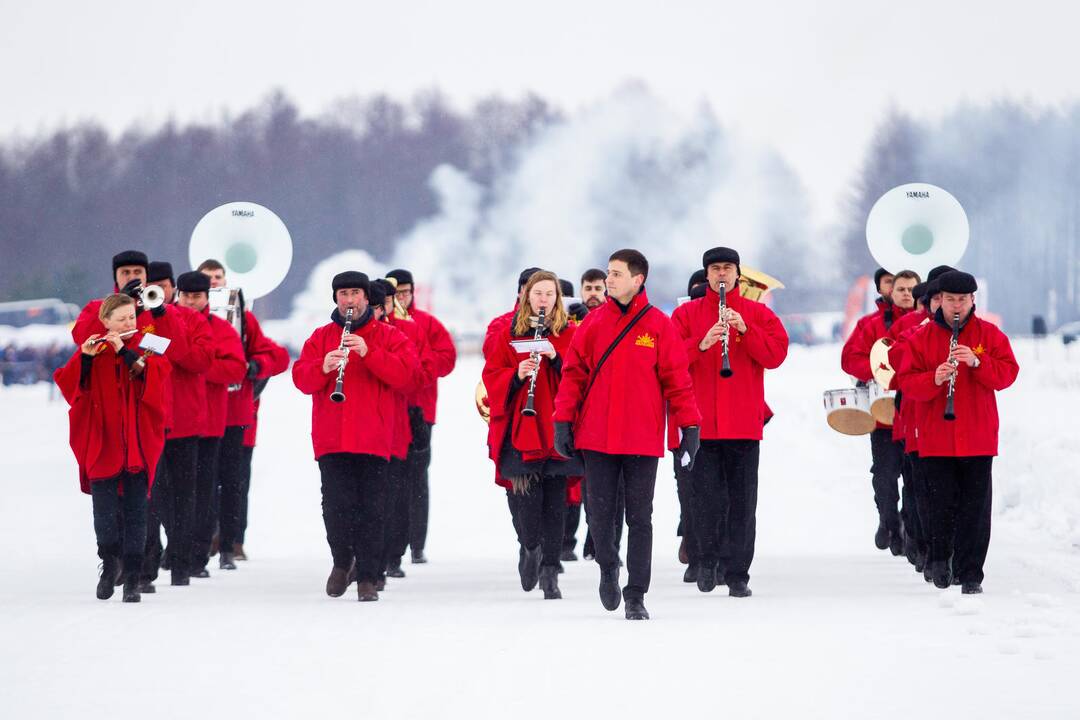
<point x="835" y="628"/>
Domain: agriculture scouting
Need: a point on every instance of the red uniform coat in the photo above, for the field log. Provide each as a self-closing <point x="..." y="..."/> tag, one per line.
<point x="495" y="328"/>
<point x="855" y="357"/>
<point x="168" y="325"/>
<point x="116" y="422"/>
<point x="974" y="432"/>
<point x="364" y="423"/>
<point x="533" y="437"/>
<point x="228" y="367"/>
<point x="624" y="412"/>
<point x="898" y="333"/>
<point x="272" y="359"/>
<point x="188" y="377"/>
<point x="435" y="349"/>
<point x="731" y="408"/>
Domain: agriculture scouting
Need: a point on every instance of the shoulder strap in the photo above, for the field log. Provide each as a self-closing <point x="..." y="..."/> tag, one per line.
<point x="611" y="348"/>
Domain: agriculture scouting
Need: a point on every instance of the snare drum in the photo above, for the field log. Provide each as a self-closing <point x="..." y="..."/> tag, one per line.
<point x="882" y="404"/>
<point x="848" y="411"/>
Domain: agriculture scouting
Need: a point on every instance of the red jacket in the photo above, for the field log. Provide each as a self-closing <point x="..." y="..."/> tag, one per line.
<point x="898" y="333"/>
<point x="624" y="411"/>
<point x="402" y="426"/>
<point x="974" y="432"/>
<point x="493" y="334"/>
<point x="437" y="355"/>
<point x="272" y="359"/>
<point x="731" y="408"/>
<point x="363" y="424"/>
<point x="116" y="422"/>
<point x="533" y="437"/>
<point x="855" y="357"/>
<point x="189" y="376"/>
<point x="228" y="367"/>
<point x="168" y="325"/>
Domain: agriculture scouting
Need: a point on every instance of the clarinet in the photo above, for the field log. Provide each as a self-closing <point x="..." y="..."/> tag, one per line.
<point x="528" y="410"/>
<point x="338" y="395"/>
<point x="725" y="363"/>
<point x="950" y="413"/>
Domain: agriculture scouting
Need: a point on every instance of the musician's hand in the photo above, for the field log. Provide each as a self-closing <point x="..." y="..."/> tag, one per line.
<point x="943" y="373"/>
<point x="133" y="289"/>
<point x="113" y="338"/>
<point x="965" y="355"/>
<point x="332" y="360"/>
<point x="736" y="321"/>
<point x="90" y="348"/>
<point x="549" y="354"/>
<point x="359" y="347"/>
<point x="715" y="335"/>
<point x="526" y="366"/>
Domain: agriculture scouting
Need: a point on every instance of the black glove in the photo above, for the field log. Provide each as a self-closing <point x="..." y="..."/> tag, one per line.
<point x="691" y="441"/>
<point x="253" y="369"/>
<point x="133" y="289"/>
<point x="564" y="439"/>
<point x="158" y="311"/>
<point x="578" y="311"/>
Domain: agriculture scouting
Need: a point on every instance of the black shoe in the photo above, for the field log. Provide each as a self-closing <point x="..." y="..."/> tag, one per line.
<point x="179" y="578"/>
<point x="529" y="568"/>
<point x="588" y="556"/>
<point x="971" y="588"/>
<point x="635" y="609"/>
<point x="911" y="550"/>
<point x="225" y="562"/>
<point x="549" y="582"/>
<point x="147" y="586"/>
<point x="926" y="575"/>
<point x="201" y="573"/>
<point x="610" y="595"/>
<point x="568" y="556"/>
<point x="896" y="542"/>
<point x="110" y="572"/>
<point x="337" y="582"/>
<point x="166" y="563"/>
<point x="941" y="574"/>
<point x="131" y="588"/>
<point x="721" y="571"/>
<point x="418" y="557"/>
<point x="561" y="568"/>
<point x="691" y="574"/>
<point x="739" y="589"/>
<point x="395" y="571"/>
<point x="920" y="561"/>
<point x="881" y="537"/>
<point x="706" y="578"/>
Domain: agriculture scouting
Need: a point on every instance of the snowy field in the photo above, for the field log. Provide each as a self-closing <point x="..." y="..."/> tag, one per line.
<point x="835" y="629"/>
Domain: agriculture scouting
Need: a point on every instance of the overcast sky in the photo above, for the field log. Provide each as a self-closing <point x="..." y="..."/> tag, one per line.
<point x="808" y="78"/>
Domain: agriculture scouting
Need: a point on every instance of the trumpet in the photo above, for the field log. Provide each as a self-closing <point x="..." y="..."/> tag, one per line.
<point x="123" y="336"/>
<point x="725" y="363"/>
<point x="529" y="410"/>
<point x="950" y="411"/>
<point x="338" y="396"/>
<point x="151" y="296"/>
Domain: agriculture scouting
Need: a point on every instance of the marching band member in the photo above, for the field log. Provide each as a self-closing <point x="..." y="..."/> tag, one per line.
<point x="724" y="476"/>
<point x="855" y="361"/>
<point x="117" y="422"/>
<point x="227" y="367"/>
<point x="352" y="439"/>
<point x="688" y="554"/>
<point x="522" y="445"/>
<point x="958" y="362"/>
<point x="623" y="363"/>
<point x="439" y="347"/>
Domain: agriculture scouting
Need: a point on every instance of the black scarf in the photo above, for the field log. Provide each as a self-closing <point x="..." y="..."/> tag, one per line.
<point x="357" y="323"/>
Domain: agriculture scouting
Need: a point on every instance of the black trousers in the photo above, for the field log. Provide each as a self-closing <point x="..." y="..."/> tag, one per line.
<point x="540" y="516"/>
<point x="909" y="510"/>
<point x="353" y="504"/>
<point x="230" y="485"/>
<point x="205" y="485"/>
<point x="725" y="482"/>
<point x="111" y="509"/>
<point x="684" y="484"/>
<point x="920" y="492"/>
<point x="396" y="530"/>
<point x="960" y="495"/>
<point x="156" y="507"/>
<point x="245" y="489"/>
<point x="886" y="468"/>
<point x="418" y="460"/>
<point x="570" y="528"/>
<point x="172" y="506"/>
<point x="637" y="474"/>
<point x="589" y="548"/>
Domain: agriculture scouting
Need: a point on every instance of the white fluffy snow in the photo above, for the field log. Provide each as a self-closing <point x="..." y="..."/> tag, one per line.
<point x="835" y="627"/>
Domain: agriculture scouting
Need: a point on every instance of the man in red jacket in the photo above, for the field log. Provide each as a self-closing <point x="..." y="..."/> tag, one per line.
<point x="623" y="363"/>
<point x="956" y="456"/>
<point x="264" y="358"/>
<point x="887" y="455"/>
<point x="438" y="348"/>
<point x="353" y="439"/>
<point x="733" y="415"/>
<point x="227" y="367"/>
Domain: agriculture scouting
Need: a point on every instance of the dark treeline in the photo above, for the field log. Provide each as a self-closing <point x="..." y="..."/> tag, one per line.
<point x="356" y="176"/>
<point x="1016" y="171"/>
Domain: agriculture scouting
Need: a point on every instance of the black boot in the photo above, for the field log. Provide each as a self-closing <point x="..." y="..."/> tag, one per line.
<point x="691" y="574"/>
<point x="706" y="578"/>
<point x="131" y="587"/>
<point x="110" y="573"/>
<point x="896" y="542"/>
<point x="179" y="578"/>
<point x="146" y="585"/>
<point x="739" y="589"/>
<point x="529" y="568"/>
<point x="635" y="609"/>
<point x="971" y="588"/>
<point x="418" y="557"/>
<point x="549" y="582"/>
<point x="610" y="595"/>
<point x="568" y="556"/>
<point x="881" y="537"/>
<point x="226" y="561"/>
<point x="337" y="582"/>
<point x="201" y="573"/>
<point x="911" y="549"/>
<point x="942" y="576"/>
<point x="394" y="570"/>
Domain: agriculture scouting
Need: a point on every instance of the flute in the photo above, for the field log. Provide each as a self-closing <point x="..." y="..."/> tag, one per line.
<point x="123" y="336"/>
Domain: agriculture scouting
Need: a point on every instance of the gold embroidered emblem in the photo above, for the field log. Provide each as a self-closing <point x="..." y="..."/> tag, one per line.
<point x="645" y="340"/>
<point x="979" y="349"/>
<point x="148" y="330"/>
